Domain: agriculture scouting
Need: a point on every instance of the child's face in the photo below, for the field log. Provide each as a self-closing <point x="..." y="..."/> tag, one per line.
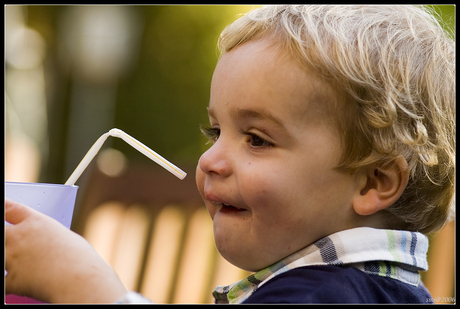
<point x="269" y="180"/>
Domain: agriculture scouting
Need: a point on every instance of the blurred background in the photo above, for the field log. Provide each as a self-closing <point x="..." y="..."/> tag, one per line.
<point x="73" y="73"/>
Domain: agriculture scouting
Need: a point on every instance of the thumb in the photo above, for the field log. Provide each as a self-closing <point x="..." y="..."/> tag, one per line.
<point x="16" y="212"/>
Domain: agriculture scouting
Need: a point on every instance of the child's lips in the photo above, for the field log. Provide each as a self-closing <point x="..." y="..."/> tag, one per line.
<point x="223" y="205"/>
<point x="227" y="207"/>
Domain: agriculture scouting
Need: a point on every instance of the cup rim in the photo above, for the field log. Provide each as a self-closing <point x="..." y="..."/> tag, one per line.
<point x="40" y="184"/>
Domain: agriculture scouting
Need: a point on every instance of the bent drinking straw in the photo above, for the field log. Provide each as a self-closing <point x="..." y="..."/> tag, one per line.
<point x="134" y="143"/>
<point x="149" y="153"/>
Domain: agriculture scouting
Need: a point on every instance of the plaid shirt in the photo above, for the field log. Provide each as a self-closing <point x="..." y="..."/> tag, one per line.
<point x="389" y="253"/>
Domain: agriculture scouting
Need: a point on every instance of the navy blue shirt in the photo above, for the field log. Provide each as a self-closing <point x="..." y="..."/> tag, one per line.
<point x="337" y="285"/>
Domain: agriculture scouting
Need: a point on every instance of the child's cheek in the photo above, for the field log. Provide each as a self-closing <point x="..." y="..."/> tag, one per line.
<point x="258" y="189"/>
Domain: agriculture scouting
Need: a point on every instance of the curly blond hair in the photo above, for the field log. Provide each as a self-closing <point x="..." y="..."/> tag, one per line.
<point x="395" y="67"/>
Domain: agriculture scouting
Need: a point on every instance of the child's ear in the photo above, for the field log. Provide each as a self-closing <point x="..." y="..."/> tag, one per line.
<point x="383" y="187"/>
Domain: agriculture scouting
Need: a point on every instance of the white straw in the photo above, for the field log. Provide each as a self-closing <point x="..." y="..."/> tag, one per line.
<point x="134" y="143"/>
<point x="149" y="153"/>
<point x="86" y="160"/>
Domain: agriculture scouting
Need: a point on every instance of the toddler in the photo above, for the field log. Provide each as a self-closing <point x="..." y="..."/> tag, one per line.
<point x="332" y="131"/>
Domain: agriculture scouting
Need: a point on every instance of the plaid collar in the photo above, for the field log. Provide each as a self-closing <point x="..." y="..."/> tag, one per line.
<point x="388" y="253"/>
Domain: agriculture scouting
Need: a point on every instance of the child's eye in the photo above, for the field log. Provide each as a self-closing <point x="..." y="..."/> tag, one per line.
<point x="257" y="141"/>
<point x="212" y="134"/>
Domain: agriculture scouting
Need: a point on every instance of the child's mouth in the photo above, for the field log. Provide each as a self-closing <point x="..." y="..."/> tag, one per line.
<point x="226" y="208"/>
<point x="229" y="208"/>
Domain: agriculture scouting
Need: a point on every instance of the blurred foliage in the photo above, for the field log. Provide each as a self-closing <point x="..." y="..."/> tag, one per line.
<point x="446" y="16"/>
<point x="162" y="99"/>
<point x="165" y="98"/>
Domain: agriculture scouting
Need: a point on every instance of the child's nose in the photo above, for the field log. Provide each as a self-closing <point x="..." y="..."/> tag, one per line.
<point x="215" y="160"/>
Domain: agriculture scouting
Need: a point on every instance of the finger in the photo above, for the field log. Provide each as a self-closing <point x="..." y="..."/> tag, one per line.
<point x="16" y="212"/>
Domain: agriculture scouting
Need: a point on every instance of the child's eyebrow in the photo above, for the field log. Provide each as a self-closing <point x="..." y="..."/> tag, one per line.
<point x="262" y="115"/>
<point x="244" y="114"/>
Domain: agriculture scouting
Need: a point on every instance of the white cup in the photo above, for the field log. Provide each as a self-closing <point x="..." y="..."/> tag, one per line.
<point x="54" y="200"/>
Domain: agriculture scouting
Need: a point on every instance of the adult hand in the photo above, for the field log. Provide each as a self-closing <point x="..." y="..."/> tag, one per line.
<point x="49" y="262"/>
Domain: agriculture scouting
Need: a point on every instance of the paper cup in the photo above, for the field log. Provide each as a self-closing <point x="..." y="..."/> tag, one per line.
<point x="54" y="200"/>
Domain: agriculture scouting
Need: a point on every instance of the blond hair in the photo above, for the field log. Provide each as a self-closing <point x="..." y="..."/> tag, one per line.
<point x="395" y="67"/>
